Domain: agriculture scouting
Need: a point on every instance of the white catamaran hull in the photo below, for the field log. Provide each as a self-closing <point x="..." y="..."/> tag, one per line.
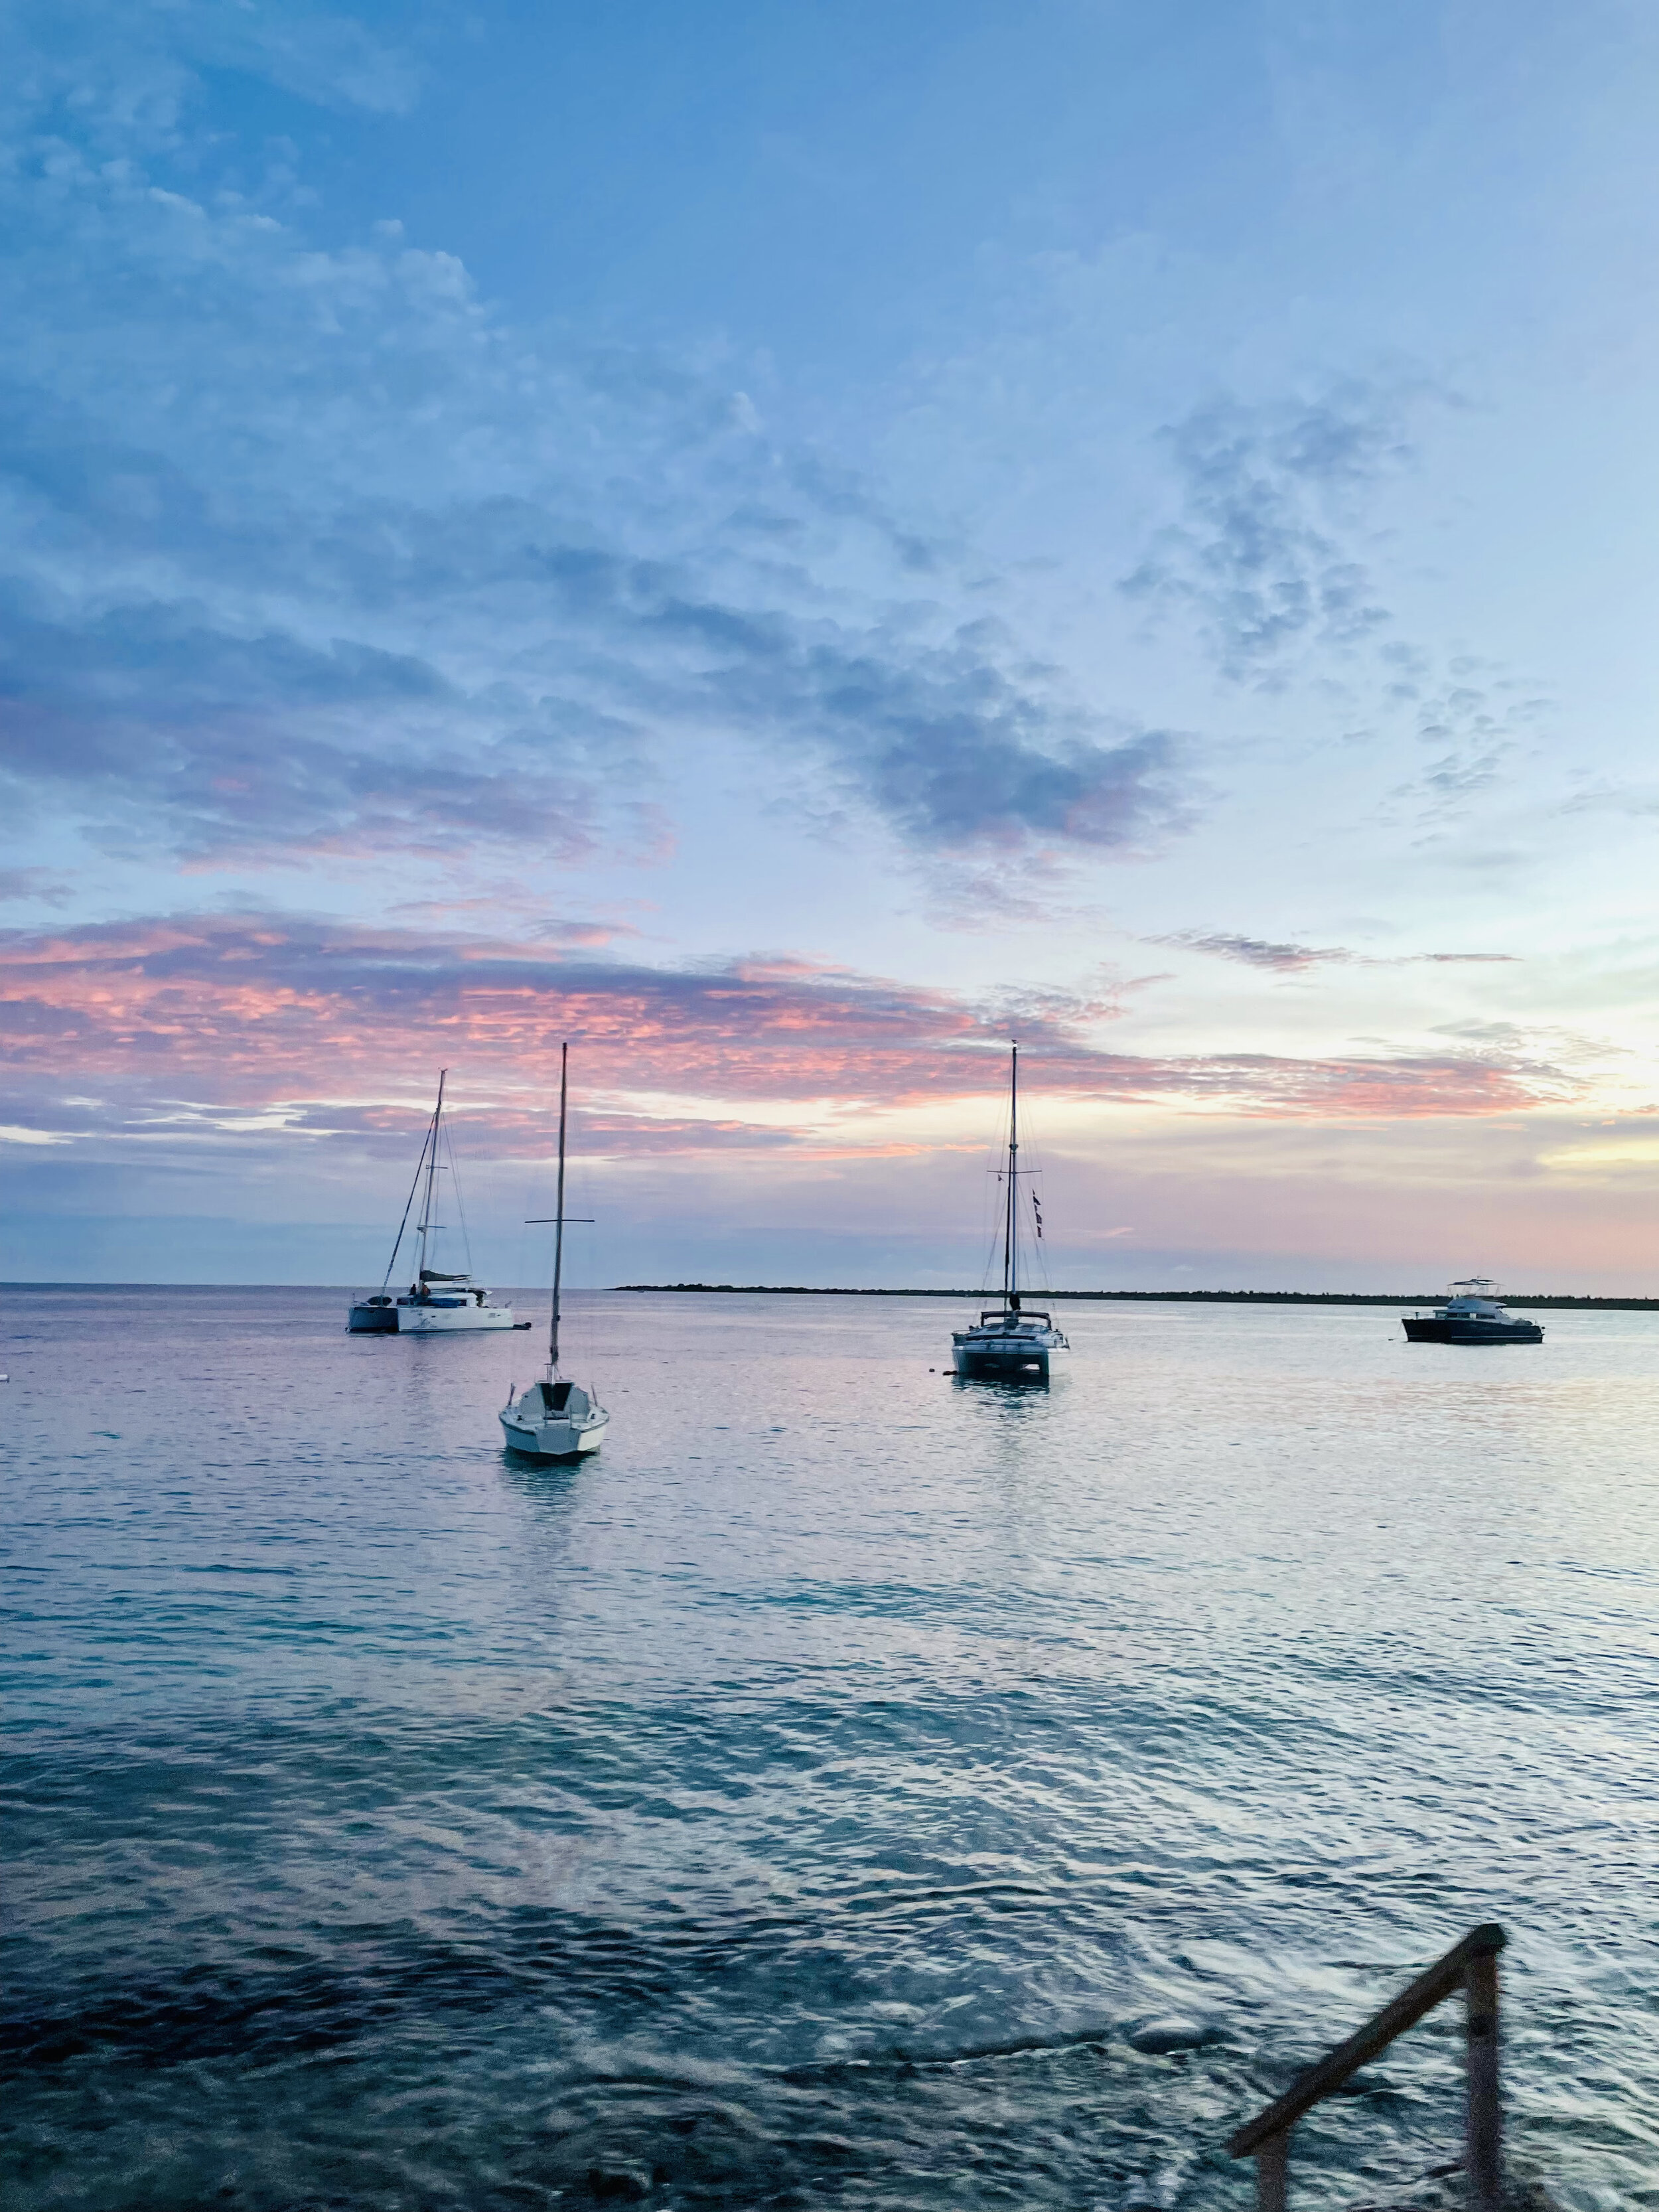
<point x="407" y="1317"/>
<point x="1022" y="1358"/>
<point x="444" y="1320"/>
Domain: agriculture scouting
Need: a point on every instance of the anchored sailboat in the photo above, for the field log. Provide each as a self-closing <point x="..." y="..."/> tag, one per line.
<point x="1008" y="1340"/>
<point x="438" y="1301"/>
<point x="556" y="1419"/>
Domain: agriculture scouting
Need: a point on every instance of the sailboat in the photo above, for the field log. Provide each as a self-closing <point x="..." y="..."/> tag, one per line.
<point x="1009" y="1340"/>
<point x="437" y="1303"/>
<point x="556" y="1419"/>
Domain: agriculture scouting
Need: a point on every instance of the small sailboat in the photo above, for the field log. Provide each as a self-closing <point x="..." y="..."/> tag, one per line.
<point x="556" y="1419"/>
<point x="438" y="1303"/>
<point x="1472" y="1315"/>
<point x="1009" y="1340"/>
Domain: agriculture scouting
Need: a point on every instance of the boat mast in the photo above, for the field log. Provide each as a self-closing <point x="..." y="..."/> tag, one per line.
<point x="431" y="1176"/>
<point x="1011" y="1216"/>
<point x="558" y="1217"/>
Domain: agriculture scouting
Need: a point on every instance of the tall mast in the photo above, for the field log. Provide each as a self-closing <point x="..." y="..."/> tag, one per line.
<point x="431" y="1172"/>
<point x="558" y="1216"/>
<point x="1011" y="1216"/>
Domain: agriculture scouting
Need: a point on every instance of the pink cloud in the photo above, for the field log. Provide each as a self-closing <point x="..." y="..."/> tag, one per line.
<point x="239" y="1011"/>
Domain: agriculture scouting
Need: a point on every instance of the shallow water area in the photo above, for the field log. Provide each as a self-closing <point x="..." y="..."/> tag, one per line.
<point x="852" y="1787"/>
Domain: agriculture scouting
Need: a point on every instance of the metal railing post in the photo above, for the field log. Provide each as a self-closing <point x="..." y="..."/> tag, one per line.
<point x="1272" y="2163"/>
<point x="1484" y="2111"/>
<point x="1470" y="1966"/>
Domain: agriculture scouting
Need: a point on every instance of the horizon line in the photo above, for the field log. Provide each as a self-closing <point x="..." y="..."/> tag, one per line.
<point x="1558" y="1299"/>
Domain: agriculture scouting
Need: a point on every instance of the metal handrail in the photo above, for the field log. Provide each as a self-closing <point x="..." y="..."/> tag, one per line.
<point x="1470" y="1966"/>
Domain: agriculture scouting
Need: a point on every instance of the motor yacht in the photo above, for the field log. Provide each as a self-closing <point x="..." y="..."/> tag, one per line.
<point x="1472" y="1315"/>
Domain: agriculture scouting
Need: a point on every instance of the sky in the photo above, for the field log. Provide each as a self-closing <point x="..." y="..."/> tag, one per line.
<point x="790" y="546"/>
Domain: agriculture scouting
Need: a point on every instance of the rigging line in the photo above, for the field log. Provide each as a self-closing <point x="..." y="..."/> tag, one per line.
<point x="1011" y="1219"/>
<point x="521" y="1262"/>
<point x="990" y="1230"/>
<point x="558" y="1224"/>
<point x="408" y="1202"/>
<point x="1031" y="1144"/>
<point x="424" y="1232"/>
<point x="455" y="1185"/>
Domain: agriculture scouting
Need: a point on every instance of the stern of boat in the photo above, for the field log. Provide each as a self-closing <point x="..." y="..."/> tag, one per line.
<point x="554" y="1420"/>
<point x="1026" y="1364"/>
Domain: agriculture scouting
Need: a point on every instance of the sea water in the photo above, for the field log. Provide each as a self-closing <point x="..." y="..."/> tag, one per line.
<point x="853" y="1787"/>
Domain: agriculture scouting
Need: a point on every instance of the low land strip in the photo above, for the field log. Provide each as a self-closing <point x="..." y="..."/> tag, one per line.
<point x="1563" y="1300"/>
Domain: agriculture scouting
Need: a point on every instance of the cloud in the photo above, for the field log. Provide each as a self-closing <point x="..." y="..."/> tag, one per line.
<point x="1257" y="556"/>
<point x="1475" y="716"/>
<point x="322" y="1029"/>
<point x="129" y="74"/>
<point x="1268" y="559"/>
<point x="1291" y="959"/>
<point x="308" y="551"/>
<point x="1637" y="800"/>
<point x="1469" y="959"/>
<point x="1616" y="1156"/>
<point x="45" y="884"/>
<point x="1257" y="951"/>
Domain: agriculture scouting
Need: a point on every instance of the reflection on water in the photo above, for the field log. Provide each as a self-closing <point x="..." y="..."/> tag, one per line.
<point x="906" y="1792"/>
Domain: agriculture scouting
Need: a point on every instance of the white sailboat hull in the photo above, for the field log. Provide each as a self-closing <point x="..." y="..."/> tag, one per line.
<point x="554" y="1420"/>
<point x="554" y="1439"/>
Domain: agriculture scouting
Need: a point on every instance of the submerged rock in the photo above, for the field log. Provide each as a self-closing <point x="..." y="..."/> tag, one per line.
<point x="618" y="2184"/>
<point x="1160" y="2038"/>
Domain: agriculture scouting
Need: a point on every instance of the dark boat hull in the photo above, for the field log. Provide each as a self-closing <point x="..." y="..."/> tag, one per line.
<point x="1437" y="1329"/>
<point x="1027" y="1366"/>
<point x="374" y="1321"/>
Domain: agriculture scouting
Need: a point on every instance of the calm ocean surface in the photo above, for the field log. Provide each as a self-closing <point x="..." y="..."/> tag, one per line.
<point x="853" y="1788"/>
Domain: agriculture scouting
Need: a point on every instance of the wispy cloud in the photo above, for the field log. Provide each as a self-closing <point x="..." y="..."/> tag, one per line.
<point x="1257" y="951"/>
<point x="1474" y="715"/>
<point x="1289" y="959"/>
<point x="45" y="886"/>
<point x="131" y="75"/>
<point x="1270" y="558"/>
<point x="1259" y="556"/>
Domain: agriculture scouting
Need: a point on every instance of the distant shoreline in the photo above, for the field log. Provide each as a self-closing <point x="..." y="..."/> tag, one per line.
<point x="1561" y="1303"/>
<point x="1185" y="1297"/>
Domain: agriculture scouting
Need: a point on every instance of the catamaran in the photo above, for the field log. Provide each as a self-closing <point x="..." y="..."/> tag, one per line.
<point x="1009" y="1340"/>
<point x="556" y="1419"/>
<point x="438" y="1303"/>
